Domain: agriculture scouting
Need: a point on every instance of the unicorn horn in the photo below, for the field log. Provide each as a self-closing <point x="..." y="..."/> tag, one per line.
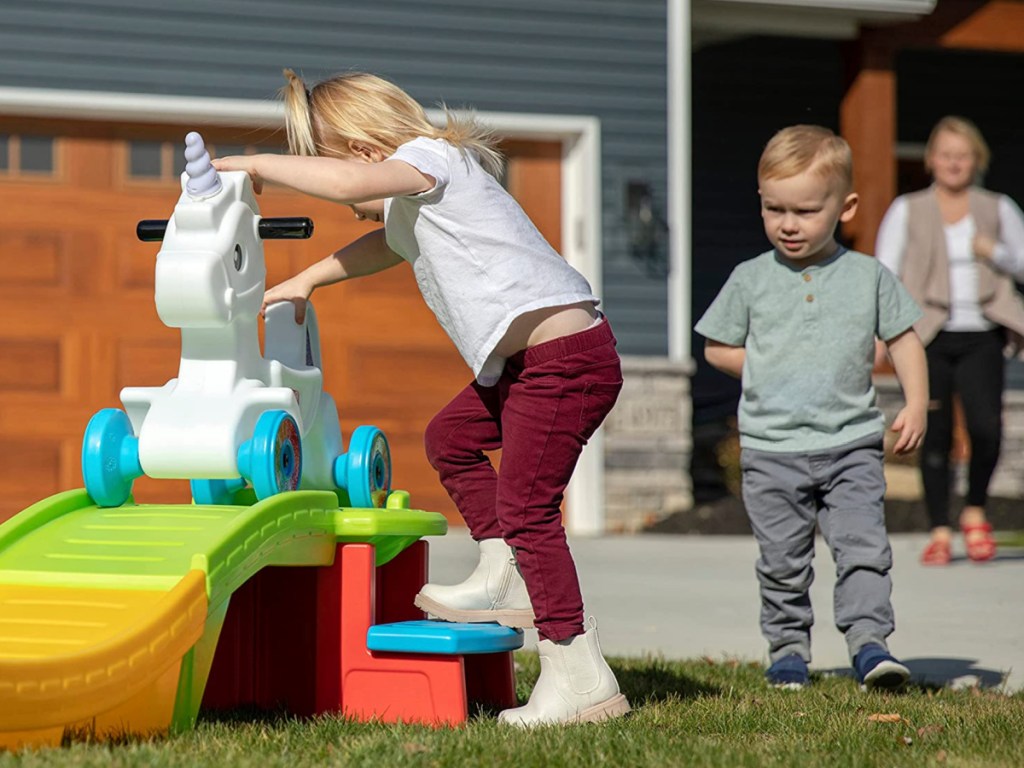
<point x="203" y="180"/>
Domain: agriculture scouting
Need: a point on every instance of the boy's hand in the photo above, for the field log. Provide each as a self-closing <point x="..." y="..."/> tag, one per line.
<point x="296" y="289"/>
<point x="245" y="163"/>
<point x="910" y="423"/>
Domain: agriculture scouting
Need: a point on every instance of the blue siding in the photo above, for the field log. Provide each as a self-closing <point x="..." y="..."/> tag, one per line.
<point x="605" y="58"/>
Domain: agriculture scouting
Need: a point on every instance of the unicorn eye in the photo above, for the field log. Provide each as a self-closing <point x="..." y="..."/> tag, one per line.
<point x="238" y="258"/>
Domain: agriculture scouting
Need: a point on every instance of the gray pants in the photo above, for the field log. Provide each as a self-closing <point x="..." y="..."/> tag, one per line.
<point x="841" y="489"/>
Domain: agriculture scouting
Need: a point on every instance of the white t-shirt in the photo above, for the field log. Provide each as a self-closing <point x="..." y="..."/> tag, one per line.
<point x="964" y="310"/>
<point x="478" y="259"/>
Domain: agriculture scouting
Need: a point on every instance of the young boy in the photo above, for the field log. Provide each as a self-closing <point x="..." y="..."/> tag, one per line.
<point x="798" y="325"/>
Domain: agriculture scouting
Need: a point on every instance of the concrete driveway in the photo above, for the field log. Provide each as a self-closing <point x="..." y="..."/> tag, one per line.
<point x="691" y="596"/>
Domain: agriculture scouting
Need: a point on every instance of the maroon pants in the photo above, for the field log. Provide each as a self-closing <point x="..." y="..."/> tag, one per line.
<point x="541" y="413"/>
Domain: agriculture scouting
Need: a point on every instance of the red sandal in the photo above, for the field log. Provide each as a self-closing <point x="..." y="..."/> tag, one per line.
<point x="978" y="540"/>
<point x="936" y="553"/>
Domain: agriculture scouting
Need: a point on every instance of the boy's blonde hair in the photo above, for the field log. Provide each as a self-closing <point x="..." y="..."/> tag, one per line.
<point x="361" y="107"/>
<point x="960" y="126"/>
<point x="798" y="148"/>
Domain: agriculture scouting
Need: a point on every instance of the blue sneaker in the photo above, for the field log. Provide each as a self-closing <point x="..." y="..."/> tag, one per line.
<point x="877" y="670"/>
<point x="788" y="673"/>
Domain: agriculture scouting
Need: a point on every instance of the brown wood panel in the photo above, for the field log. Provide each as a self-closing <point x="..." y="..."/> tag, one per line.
<point x="867" y="118"/>
<point x="76" y="306"/>
<point x="998" y="26"/>
<point x="535" y="175"/>
<point x="28" y="465"/>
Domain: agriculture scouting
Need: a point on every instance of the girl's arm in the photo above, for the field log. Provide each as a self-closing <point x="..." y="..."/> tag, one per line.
<point x="366" y="256"/>
<point x="908" y="359"/>
<point x="330" y="178"/>
<point x="725" y="358"/>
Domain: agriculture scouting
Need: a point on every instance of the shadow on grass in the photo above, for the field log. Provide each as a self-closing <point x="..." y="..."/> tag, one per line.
<point x="929" y="674"/>
<point x="954" y="673"/>
<point x="653" y="682"/>
<point x="246" y="715"/>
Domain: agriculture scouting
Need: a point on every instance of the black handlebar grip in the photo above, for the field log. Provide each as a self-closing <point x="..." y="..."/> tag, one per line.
<point x="151" y="230"/>
<point x="280" y="228"/>
<point x="286" y="228"/>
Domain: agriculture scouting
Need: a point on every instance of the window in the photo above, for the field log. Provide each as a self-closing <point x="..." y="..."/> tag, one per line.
<point x="36" y="154"/>
<point x="164" y="161"/>
<point x="145" y="159"/>
<point x="27" y="155"/>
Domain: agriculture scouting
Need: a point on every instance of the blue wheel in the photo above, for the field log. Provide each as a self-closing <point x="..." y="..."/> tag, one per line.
<point x="365" y="471"/>
<point x="272" y="460"/>
<point x="110" y="457"/>
<point x="215" y="491"/>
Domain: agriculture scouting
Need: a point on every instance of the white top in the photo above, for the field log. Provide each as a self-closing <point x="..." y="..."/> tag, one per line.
<point x="478" y="259"/>
<point x="964" y="310"/>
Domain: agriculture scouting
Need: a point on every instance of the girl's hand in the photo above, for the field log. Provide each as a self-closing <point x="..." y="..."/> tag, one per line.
<point x="245" y="163"/>
<point x="296" y="289"/>
<point x="984" y="247"/>
<point x="910" y="423"/>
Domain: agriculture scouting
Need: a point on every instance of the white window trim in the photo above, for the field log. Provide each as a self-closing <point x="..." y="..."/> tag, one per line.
<point x="680" y="183"/>
<point x="579" y="135"/>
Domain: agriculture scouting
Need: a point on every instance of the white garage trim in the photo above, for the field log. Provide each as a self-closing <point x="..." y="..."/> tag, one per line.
<point x="581" y="246"/>
<point x="580" y="137"/>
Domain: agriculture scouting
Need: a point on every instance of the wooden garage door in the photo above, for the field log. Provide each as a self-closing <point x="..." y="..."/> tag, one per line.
<point x="78" y="323"/>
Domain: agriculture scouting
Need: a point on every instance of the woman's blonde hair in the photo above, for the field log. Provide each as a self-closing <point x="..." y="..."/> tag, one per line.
<point x="365" y="108"/>
<point x="960" y="126"/>
<point x="795" y="149"/>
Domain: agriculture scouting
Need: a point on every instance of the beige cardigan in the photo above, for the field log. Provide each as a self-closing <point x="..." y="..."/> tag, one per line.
<point x="925" y="266"/>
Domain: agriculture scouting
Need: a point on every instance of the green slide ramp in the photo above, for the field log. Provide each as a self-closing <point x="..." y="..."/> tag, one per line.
<point x="66" y="542"/>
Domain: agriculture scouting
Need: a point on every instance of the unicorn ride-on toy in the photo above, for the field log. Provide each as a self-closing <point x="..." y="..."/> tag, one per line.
<point x="233" y="416"/>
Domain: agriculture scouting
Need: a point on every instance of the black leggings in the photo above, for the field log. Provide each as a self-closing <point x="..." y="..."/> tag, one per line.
<point x="968" y="363"/>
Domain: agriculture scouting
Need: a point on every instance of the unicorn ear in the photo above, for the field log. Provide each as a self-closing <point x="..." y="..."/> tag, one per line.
<point x="203" y="180"/>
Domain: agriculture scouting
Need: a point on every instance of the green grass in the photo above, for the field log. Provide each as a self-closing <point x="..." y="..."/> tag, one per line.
<point x="1010" y="539"/>
<point x="694" y="713"/>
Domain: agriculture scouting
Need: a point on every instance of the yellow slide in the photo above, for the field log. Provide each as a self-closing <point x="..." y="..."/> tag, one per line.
<point x="96" y="660"/>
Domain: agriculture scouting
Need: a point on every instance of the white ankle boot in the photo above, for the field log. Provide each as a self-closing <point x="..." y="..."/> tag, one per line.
<point x="495" y="591"/>
<point x="576" y="685"/>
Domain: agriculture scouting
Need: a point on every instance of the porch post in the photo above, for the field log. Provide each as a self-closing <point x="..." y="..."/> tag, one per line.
<point x="867" y="119"/>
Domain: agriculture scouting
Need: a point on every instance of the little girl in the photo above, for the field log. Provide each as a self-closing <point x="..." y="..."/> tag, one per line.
<point x="544" y="360"/>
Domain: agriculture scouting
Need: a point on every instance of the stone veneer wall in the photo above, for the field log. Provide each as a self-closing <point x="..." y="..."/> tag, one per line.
<point x="1008" y="481"/>
<point x="648" y="444"/>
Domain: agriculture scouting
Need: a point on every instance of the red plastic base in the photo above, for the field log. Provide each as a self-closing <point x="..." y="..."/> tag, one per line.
<point x="266" y="653"/>
<point x="295" y="638"/>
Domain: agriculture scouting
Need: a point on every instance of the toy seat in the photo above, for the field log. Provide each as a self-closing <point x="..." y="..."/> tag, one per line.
<point x="442" y="637"/>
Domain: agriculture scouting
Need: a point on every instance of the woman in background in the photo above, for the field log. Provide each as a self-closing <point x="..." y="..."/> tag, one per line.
<point x="957" y="248"/>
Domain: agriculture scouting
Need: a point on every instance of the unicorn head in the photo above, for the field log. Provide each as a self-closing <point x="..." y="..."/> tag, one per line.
<point x="210" y="270"/>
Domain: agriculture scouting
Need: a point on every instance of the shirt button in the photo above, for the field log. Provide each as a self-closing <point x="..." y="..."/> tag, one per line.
<point x="807" y="278"/>
<point x="810" y="298"/>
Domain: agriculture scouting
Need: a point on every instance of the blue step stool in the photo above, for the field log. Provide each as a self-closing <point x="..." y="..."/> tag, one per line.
<point x="443" y="638"/>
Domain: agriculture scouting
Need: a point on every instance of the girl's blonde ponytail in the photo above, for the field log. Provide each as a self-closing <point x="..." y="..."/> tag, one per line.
<point x="298" y="117"/>
<point x="466" y="132"/>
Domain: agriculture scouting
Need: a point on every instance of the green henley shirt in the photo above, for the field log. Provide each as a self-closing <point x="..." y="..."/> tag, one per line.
<point x="809" y="335"/>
